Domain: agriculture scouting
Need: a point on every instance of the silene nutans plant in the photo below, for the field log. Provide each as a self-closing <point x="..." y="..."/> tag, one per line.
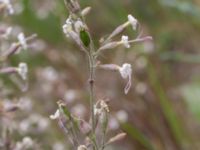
<point x="12" y="43"/>
<point x="92" y="134"/>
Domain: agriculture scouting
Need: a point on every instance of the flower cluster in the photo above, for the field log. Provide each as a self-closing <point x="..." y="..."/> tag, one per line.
<point x="75" y="28"/>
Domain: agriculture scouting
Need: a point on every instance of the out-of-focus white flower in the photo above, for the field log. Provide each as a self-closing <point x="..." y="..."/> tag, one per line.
<point x="79" y="110"/>
<point x="27" y="142"/>
<point x="22" y="70"/>
<point x="56" y="115"/>
<point x="132" y="21"/>
<point x="113" y="123"/>
<point x="122" y="116"/>
<point x="58" y="146"/>
<point x="24" y="126"/>
<point x="7" y="33"/>
<point x="67" y="27"/>
<point x="22" y="40"/>
<point x="43" y="123"/>
<point x="124" y="41"/>
<point x="82" y="147"/>
<point x="50" y="74"/>
<point x="78" y="25"/>
<point x="25" y="103"/>
<point x="70" y="96"/>
<point x="141" y="88"/>
<point x="8" y="6"/>
<point x="126" y="72"/>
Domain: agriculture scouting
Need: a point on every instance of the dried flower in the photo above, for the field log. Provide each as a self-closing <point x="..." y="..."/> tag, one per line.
<point x="124" y="41"/>
<point x="22" y="70"/>
<point x="104" y="106"/>
<point x="56" y="115"/>
<point x="132" y="21"/>
<point x="22" y="40"/>
<point x="126" y="72"/>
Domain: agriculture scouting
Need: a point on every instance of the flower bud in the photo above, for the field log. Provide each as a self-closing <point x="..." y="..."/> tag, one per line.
<point x="118" y="137"/>
<point x="82" y="147"/>
<point x="85" y="11"/>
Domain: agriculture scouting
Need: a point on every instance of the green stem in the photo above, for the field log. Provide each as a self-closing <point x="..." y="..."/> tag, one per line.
<point x="91" y="83"/>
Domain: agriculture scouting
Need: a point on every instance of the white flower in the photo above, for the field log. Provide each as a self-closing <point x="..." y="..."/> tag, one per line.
<point x="78" y="26"/>
<point x="23" y="70"/>
<point x="67" y="27"/>
<point x="125" y="70"/>
<point x="125" y="42"/>
<point x="22" y="40"/>
<point x="8" y="6"/>
<point x="56" y="115"/>
<point x="82" y="147"/>
<point x="27" y="142"/>
<point x="132" y="21"/>
<point x="126" y="73"/>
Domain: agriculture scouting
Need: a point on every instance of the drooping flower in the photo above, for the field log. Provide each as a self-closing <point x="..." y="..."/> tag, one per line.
<point x="56" y="115"/>
<point x="132" y="21"/>
<point x="126" y="73"/>
<point x="124" y="41"/>
<point x="22" y="70"/>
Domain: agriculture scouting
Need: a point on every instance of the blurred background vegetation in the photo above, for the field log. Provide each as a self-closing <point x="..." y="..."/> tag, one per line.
<point x="163" y="105"/>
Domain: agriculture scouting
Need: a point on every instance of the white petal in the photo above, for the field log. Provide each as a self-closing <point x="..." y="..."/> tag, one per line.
<point x="56" y="115"/>
<point x="132" y="21"/>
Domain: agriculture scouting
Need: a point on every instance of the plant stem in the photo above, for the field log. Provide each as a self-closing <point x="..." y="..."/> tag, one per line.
<point x="91" y="84"/>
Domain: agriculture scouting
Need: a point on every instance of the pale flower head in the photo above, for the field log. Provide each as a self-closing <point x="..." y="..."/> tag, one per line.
<point x="132" y="21"/>
<point x="67" y="27"/>
<point x="23" y="70"/>
<point x="22" y="40"/>
<point x="56" y="115"/>
<point x="126" y="73"/>
<point x="124" y="41"/>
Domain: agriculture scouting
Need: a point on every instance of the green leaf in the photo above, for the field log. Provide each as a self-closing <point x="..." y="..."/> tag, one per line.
<point x="137" y="135"/>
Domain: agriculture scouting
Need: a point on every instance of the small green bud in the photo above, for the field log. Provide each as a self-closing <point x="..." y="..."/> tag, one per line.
<point x="85" y="38"/>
